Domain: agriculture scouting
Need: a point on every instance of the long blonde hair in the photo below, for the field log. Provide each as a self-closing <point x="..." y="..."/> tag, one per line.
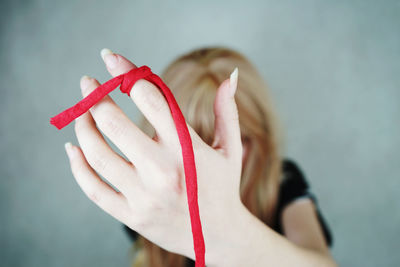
<point x="194" y="79"/>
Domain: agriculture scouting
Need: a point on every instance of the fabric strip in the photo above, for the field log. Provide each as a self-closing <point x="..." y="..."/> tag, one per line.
<point x="126" y="82"/>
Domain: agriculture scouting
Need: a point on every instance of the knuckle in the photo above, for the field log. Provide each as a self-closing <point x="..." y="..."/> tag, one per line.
<point x="167" y="174"/>
<point x="157" y="168"/>
<point x="151" y="99"/>
<point x="141" y="215"/>
<point x="94" y="196"/>
<point x="171" y="178"/>
<point x="97" y="161"/>
<point x="113" y="125"/>
<point x="155" y="103"/>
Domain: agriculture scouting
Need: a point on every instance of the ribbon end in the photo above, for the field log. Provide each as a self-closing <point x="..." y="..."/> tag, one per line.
<point x="56" y="123"/>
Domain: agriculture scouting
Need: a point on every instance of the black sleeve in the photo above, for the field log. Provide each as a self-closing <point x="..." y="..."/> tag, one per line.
<point x="295" y="186"/>
<point x="133" y="235"/>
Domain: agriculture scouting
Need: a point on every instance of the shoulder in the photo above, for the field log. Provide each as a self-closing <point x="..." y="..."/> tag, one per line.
<point x="293" y="183"/>
<point x="294" y="186"/>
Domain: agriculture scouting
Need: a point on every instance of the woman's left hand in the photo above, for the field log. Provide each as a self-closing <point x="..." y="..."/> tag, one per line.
<point x="151" y="183"/>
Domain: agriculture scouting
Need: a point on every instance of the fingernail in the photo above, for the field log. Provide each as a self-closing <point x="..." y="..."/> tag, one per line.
<point x="68" y="149"/>
<point x="233" y="79"/>
<point x="109" y="58"/>
<point x="85" y="82"/>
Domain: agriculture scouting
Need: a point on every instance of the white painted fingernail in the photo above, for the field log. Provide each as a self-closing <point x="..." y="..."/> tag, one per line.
<point x="233" y="79"/>
<point x="109" y="58"/>
<point x="68" y="149"/>
<point x="85" y="82"/>
<point x="105" y="51"/>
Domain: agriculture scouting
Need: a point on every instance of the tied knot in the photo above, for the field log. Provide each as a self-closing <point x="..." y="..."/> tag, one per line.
<point x="131" y="77"/>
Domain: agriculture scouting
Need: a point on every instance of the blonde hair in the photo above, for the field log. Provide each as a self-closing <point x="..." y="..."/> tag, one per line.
<point x="194" y="79"/>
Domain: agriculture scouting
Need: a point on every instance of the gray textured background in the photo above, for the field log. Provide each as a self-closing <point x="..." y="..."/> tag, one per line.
<point x="333" y="68"/>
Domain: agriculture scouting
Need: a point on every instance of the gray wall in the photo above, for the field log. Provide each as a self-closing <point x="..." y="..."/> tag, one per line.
<point x="333" y="69"/>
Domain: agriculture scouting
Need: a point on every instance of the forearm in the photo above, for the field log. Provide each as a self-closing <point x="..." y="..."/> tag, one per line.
<point x="249" y="242"/>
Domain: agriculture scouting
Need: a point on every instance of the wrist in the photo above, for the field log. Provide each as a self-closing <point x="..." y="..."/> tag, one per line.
<point x="247" y="241"/>
<point x="230" y="245"/>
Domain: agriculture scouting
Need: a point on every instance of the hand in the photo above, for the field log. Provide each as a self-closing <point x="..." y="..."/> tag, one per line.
<point x="151" y="183"/>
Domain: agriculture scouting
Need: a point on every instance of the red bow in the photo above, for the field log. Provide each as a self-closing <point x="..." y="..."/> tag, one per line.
<point x="126" y="81"/>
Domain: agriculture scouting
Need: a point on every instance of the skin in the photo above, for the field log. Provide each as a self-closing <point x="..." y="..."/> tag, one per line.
<point x="151" y="197"/>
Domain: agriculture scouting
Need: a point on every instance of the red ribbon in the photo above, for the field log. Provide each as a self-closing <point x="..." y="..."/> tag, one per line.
<point x="127" y="80"/>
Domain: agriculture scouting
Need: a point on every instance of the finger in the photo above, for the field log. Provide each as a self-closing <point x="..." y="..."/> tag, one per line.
<point x="101" y="157"/>
<point x="147" y="97"/>
<point x="227" y="129"/>
<point x="116" y="64"/>
<point x="96" y="189"/>
<point x="114" y="123"/>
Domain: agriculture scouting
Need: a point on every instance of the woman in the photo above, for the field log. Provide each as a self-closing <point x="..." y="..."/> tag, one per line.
<point x="255" y="206"/>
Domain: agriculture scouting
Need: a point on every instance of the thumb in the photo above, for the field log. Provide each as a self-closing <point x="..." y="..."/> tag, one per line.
<point x="227" y="130"/>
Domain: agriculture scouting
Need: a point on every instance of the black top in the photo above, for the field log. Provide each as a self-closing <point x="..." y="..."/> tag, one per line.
<point x="292" y="187"/>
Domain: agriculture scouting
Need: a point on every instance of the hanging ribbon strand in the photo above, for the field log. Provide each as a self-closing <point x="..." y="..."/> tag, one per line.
<point x="126" y="82"/>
